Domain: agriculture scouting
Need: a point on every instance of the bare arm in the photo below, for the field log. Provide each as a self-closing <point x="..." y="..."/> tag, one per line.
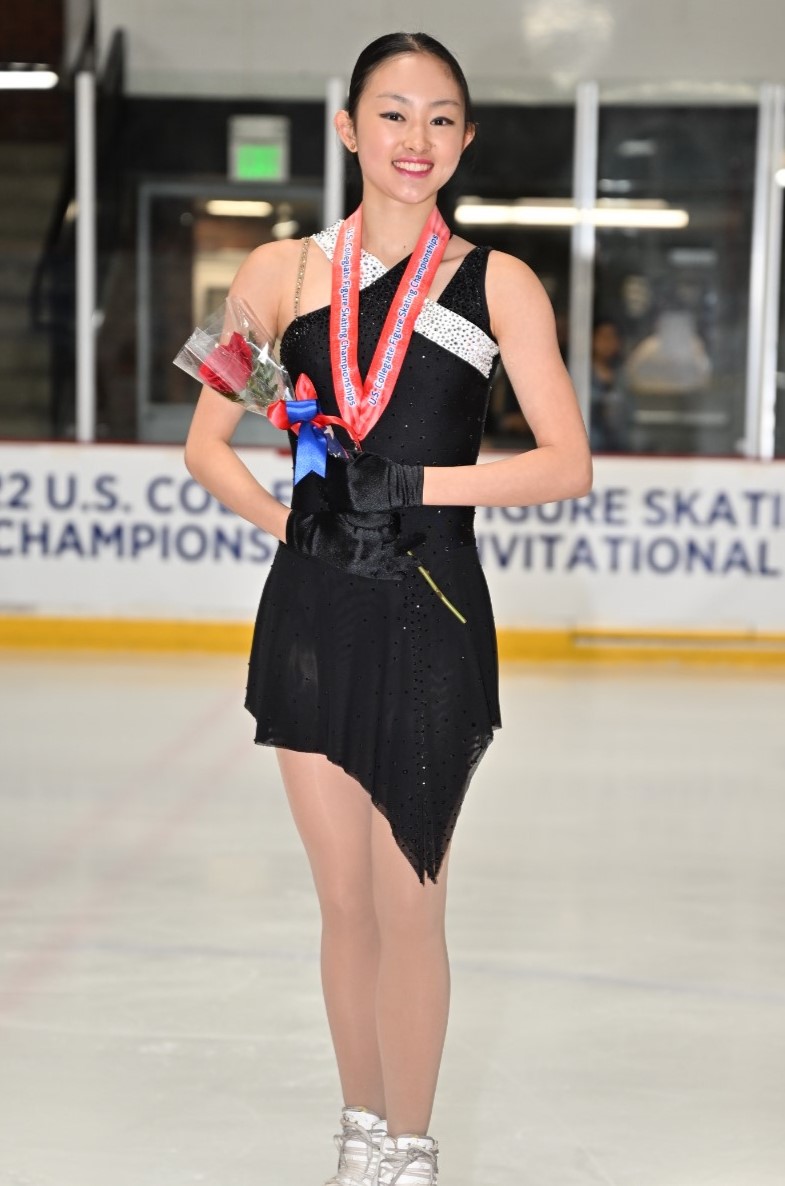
<point x="263" y="281"/>
<point x="523" y="324"/>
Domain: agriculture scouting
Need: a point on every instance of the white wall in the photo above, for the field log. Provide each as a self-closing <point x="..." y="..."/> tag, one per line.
<point x="540" y="46"/>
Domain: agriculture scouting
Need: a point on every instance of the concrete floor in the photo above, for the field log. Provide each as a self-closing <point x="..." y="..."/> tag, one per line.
<point x="616" y="925"/>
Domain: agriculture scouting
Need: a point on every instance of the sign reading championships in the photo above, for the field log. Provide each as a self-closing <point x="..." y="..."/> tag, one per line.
<point x="124" y="531"/>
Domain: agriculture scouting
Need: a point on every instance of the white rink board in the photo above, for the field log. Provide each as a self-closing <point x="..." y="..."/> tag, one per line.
<point x="123" y="531"/>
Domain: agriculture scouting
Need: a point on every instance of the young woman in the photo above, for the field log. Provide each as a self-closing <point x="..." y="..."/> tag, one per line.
<point x="379" y="698"/>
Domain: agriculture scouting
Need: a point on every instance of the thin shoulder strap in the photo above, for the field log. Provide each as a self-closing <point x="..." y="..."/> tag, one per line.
<point x="300" y="274"/>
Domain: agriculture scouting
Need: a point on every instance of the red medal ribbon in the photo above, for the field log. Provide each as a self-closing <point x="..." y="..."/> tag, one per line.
<point x="361" y="404"/>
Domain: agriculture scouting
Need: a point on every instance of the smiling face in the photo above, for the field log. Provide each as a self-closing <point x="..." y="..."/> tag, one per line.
<point x="409" y="129"/>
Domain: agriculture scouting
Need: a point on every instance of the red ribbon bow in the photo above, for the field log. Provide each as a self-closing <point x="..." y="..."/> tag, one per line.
<point x="277" y="413"/>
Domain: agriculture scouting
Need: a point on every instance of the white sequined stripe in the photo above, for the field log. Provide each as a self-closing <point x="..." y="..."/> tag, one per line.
<point x="436" y="322"/>
<point x="458" y="335"/>
<point x="371" y="268"/>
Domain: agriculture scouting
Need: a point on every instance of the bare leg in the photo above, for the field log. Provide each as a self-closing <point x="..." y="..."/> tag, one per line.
<point x="413" y="995"/>
<point x="333" y="813"/>
<point x="385" y="971"/>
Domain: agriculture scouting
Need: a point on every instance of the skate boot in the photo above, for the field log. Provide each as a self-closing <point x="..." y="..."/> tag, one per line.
<point x="409" y="1161"/>
<point x="359" y="1148"/>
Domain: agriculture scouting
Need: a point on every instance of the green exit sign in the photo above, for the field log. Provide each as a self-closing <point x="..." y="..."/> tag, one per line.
<point x="258" y="162"/>
<point x="258" y="148"/>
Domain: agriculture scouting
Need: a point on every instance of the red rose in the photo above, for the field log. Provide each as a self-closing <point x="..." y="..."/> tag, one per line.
<point x="228" y="368"/>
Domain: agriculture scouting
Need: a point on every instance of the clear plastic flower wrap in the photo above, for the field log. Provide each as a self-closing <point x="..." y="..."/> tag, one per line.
<point x="232" y="354"/>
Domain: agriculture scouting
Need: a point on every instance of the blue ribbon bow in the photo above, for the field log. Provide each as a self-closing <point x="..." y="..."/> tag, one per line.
<point x="311" y="440"/>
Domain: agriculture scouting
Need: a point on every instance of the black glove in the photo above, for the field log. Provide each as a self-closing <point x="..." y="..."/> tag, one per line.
<point x="365" y="545"/>
<point x="367" y="482"/>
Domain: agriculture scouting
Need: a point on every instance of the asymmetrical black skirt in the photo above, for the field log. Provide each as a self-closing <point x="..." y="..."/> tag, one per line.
<point x="385" y="681"/>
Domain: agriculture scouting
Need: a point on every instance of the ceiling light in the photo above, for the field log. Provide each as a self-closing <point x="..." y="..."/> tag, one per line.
<point x="650" y="219"/>
<point x="238" y="208"/>
<point x="556" y="212"/>
<point x="508" y="214"/>
<point x="614" y="185"/>
<point x="637" y="148"/>
<point x="693" y="257"/>
<point x="27" y="76"/>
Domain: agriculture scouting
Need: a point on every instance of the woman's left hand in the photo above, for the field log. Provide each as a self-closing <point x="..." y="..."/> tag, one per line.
<point x="368" y="482"/>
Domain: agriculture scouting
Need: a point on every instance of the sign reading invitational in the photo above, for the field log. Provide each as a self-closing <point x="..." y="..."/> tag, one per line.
<point x="124" y="531"/>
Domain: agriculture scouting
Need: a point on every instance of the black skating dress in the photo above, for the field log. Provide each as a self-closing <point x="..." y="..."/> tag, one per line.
<point x="380" y="676"/>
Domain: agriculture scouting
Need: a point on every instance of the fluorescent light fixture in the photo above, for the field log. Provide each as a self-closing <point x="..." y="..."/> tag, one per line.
<point x="238" y="208"/>
<point x="637" y="148"/>
<point x="608" y="212"/>
<point x="26" y="76"/>
<point x="641" y="219"/>
<point x="692" y="257"/>
<point x="779" y="177"/>
<point x="509" y="214"/>
<point x="613" y="185"/>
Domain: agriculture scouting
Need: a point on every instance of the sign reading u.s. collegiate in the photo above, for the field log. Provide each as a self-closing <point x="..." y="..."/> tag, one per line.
<point x="120" y="531"/>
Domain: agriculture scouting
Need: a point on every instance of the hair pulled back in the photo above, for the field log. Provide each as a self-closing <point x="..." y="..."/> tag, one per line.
<point x="392" y="45"/>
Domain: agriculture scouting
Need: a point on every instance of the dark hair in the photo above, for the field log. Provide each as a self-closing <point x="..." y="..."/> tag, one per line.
<point x="392" y="45"/>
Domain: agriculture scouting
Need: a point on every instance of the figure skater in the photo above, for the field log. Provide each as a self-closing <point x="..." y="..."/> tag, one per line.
<point x="380" y="696"/>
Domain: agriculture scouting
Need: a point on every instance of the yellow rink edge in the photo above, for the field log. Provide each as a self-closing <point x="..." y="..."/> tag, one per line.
<point x="128" y="634"/>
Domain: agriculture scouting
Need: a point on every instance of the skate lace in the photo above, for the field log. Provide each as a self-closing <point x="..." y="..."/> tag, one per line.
<point x="353" y="1132"/>
<point x="404" y="1159"/>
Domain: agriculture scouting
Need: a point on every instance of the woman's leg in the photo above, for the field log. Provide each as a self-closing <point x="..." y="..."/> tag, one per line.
<point x="333" y="815"/>
<point x="413" y="994"/>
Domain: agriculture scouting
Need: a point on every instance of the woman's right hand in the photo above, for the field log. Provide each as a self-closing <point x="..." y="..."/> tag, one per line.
<point x="366" y="545"/>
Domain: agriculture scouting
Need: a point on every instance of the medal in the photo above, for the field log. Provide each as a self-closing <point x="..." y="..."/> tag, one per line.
<point x="362" y="403"/>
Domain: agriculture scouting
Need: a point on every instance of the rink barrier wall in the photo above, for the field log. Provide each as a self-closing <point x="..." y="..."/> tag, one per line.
<point x="532" y="646"/>
<point x="117" y="546"/>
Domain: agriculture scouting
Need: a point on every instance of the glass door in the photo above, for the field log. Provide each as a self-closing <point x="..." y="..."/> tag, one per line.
<point x="675" y="193"/>
<point x="191" y="239"/>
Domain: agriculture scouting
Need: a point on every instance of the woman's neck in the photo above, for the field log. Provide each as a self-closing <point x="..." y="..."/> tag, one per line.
<point x="391" y="229"/>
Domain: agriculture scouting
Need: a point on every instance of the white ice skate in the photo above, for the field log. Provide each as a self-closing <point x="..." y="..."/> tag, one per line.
<point x="359" y="1148"/>
<point x="409" y="1161"/>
